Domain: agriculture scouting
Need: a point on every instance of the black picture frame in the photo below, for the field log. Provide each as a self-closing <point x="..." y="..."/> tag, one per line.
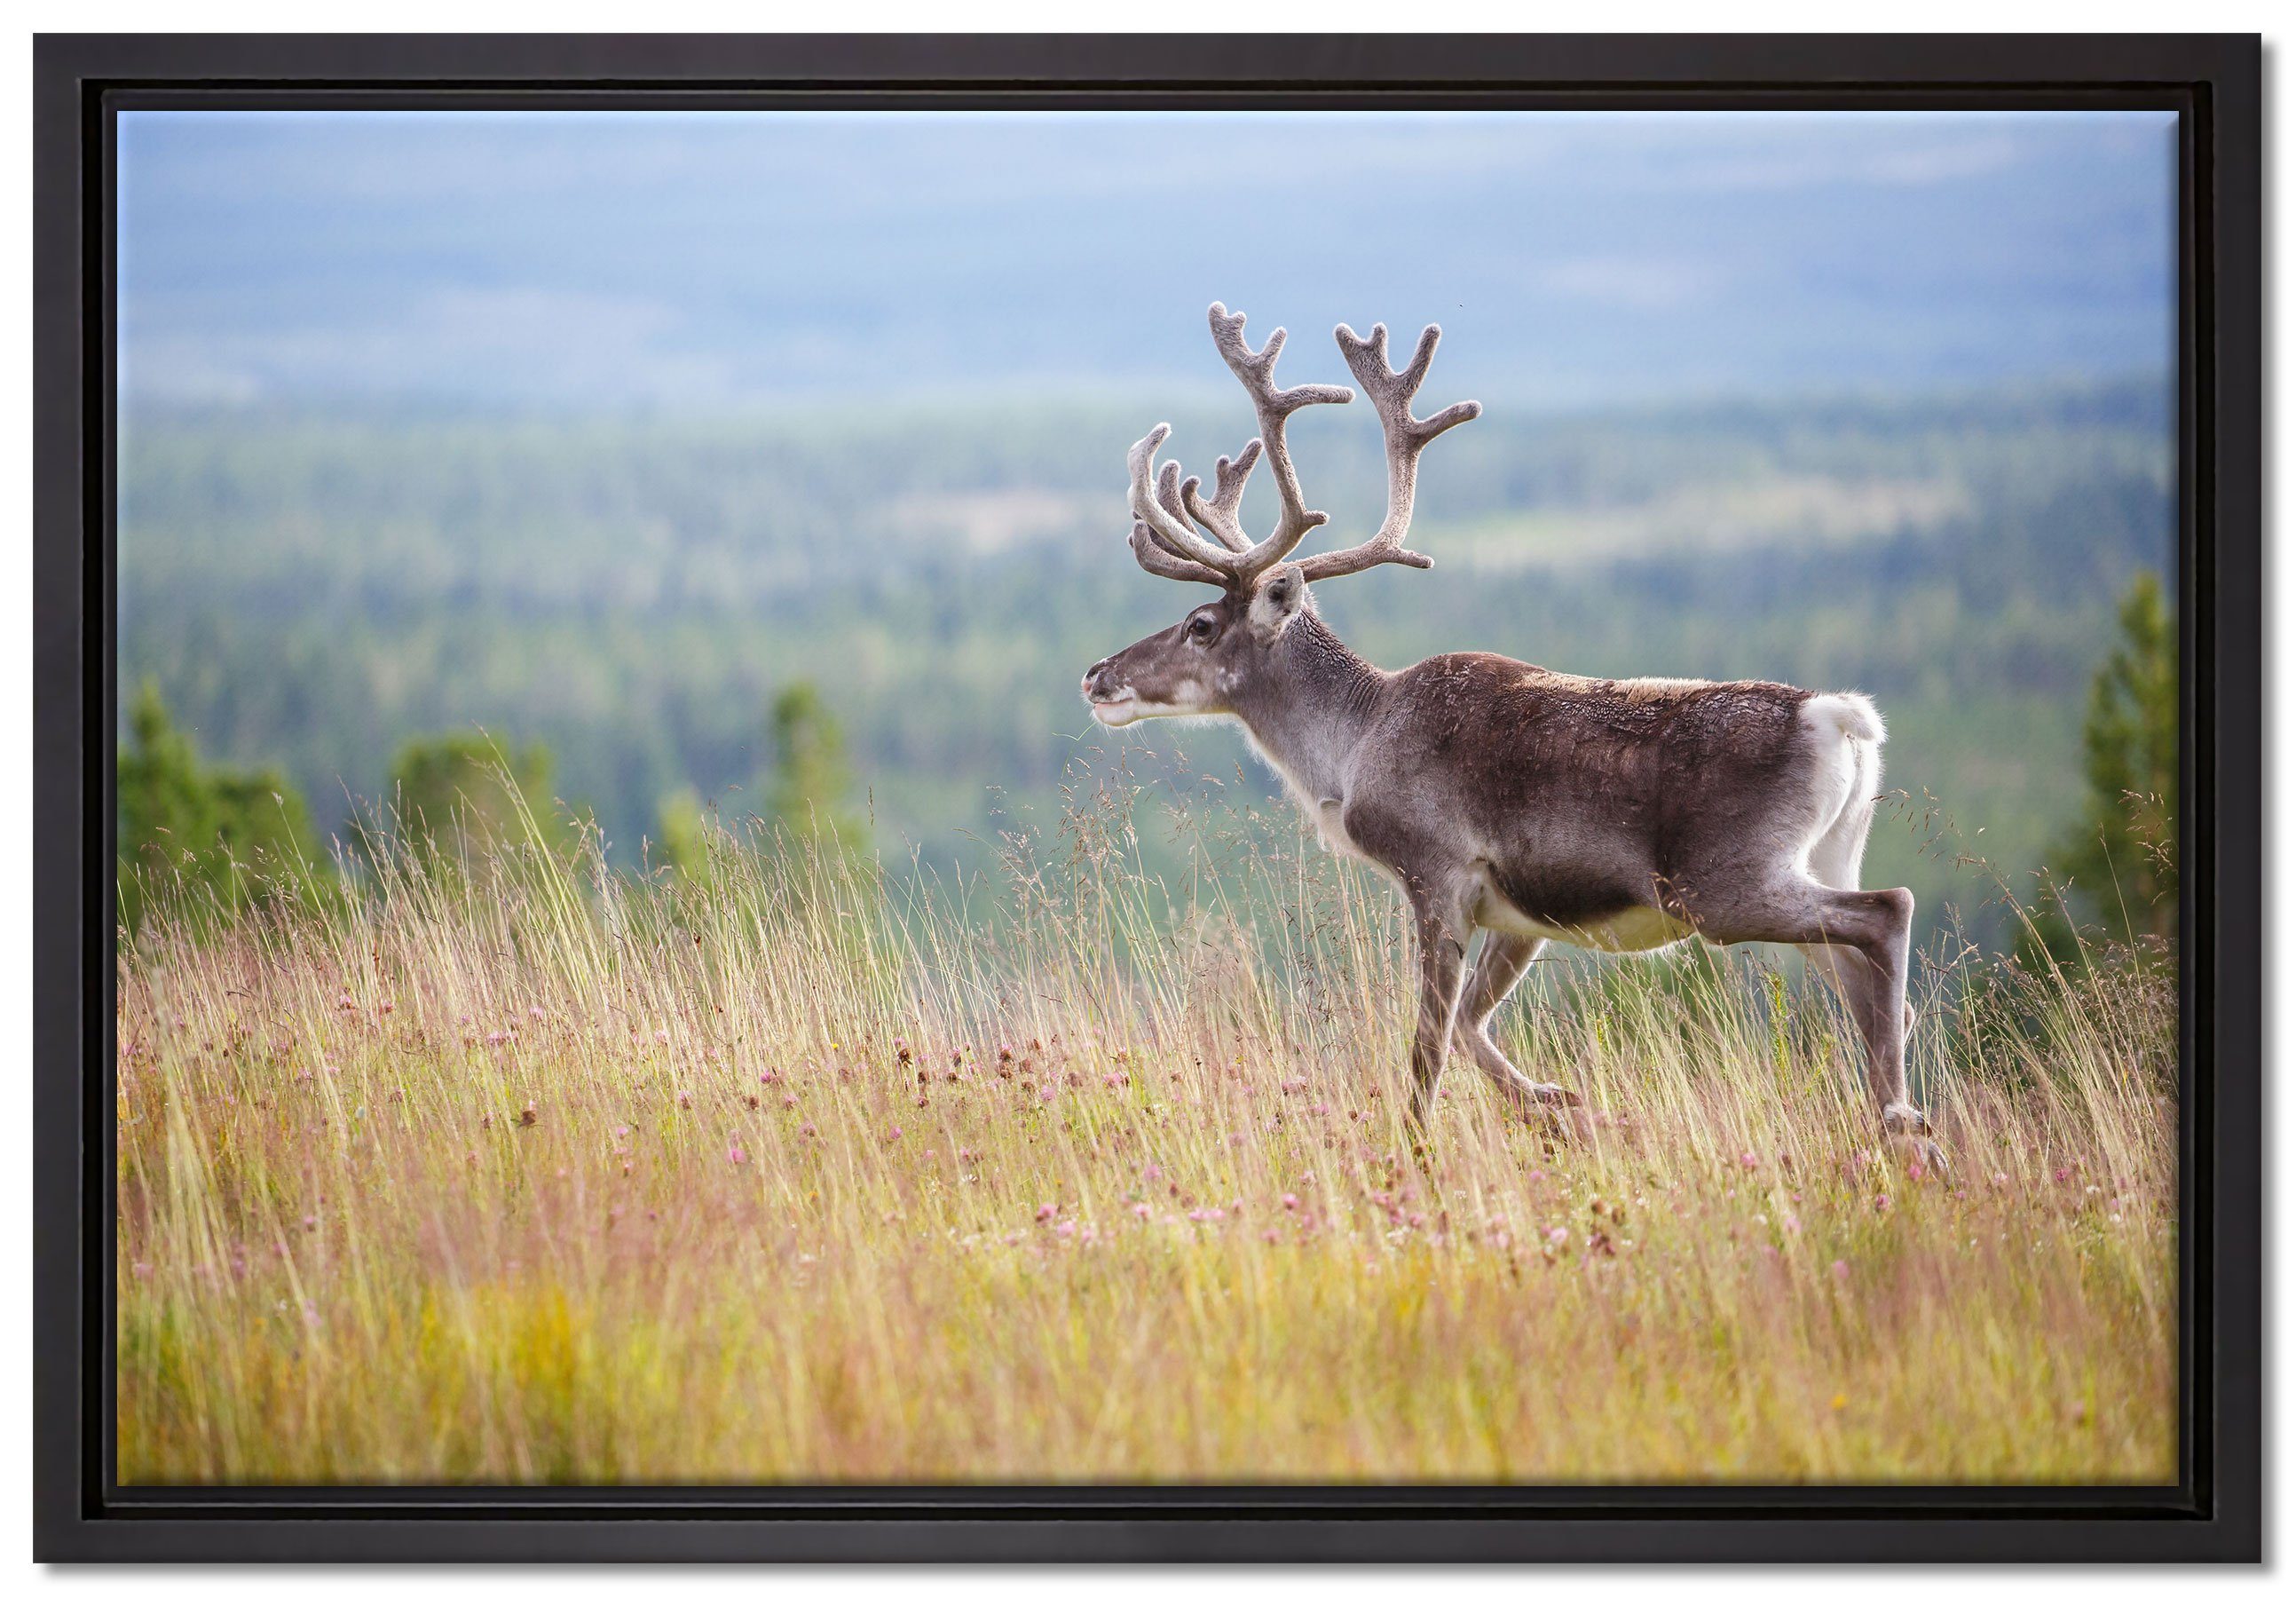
<point x="2215" y="1511"/>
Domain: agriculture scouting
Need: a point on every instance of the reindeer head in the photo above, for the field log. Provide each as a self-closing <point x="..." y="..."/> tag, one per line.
<point x="1195" y="667"/>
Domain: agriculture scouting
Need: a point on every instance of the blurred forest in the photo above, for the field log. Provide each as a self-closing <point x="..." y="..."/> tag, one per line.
<point x="640" y="604"/>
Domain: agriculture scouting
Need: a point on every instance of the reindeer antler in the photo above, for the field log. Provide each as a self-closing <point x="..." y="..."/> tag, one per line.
<point x="1162" y="522"/>
<point x="1159" y="562"/>
<point x="1406" y="435"/>
<point x="1219" y="515"/>
<point x="1176" y="499"/>
<point x="1170" y="497"/>
<point x="1168" y="546"/>
<point x="1163" y="504"/>
<point x="1256" y="370"/>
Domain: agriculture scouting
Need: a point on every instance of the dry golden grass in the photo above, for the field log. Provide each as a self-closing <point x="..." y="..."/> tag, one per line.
<point x="517" y="1173"/>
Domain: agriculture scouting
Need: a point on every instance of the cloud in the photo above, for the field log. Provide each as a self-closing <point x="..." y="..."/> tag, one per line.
<point x="1770" y="164"/>
<point x="636" y="259"/>
<point x="1630" y="282"/>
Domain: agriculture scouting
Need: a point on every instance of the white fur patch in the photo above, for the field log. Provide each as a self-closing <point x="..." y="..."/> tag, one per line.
<point x="1844" y="715"/>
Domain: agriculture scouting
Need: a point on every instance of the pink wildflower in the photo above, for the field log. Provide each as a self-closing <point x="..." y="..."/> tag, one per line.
<point x="1881" y="1204"/>
<point x="736" y="1155"/>
<point x="1749" y="1159"/>
<point x="1841" y="1270"/>
<point x="1045" y="1212"/>
<point x="1558" y="1235"/>
<point x="1291" y="1201"/>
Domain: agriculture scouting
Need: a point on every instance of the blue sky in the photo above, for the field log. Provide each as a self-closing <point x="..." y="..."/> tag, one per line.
<point x="673" y="261"/>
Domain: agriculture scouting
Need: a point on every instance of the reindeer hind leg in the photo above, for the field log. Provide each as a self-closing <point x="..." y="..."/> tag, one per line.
<point x="1864" y="938"/>
<point x="1839" y="854"/>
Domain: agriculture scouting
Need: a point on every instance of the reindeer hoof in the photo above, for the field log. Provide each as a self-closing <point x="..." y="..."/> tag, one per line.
<point x="1559" y="1126"/>
<point x="1905" y="1121"/>
<point x="1542" y="1102"/>
<point x="1921" y="1157"/>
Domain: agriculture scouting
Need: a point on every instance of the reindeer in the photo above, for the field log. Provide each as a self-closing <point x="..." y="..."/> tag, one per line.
<point x="1614" y="815"/>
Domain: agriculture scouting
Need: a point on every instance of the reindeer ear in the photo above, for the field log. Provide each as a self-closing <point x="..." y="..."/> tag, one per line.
<point x="1284" y="595"/>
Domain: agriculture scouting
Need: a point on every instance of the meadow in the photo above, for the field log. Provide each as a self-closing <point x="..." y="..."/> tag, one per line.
<point x="483" y="1163"/>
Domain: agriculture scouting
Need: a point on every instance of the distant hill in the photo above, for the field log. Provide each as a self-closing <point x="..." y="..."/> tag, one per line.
<point x="310" y="588"/>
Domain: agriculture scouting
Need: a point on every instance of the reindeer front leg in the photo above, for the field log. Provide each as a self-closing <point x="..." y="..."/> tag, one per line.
<point x="1442" y="964"/>
<point x="1505" y="958"/>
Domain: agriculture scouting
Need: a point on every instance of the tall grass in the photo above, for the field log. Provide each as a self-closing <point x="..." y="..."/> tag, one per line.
<point x="497" y="1166"/>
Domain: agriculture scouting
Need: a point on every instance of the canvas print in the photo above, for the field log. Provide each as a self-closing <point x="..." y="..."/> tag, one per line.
<point x="1079" y="797"/>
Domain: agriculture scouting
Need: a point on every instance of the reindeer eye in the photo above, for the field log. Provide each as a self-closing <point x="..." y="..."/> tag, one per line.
<point x="1199" y="627"/>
